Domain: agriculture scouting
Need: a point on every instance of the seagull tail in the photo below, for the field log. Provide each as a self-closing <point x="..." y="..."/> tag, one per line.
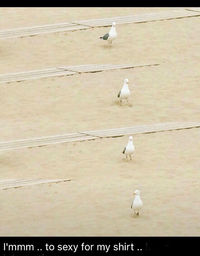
<point x="101" y="37"/>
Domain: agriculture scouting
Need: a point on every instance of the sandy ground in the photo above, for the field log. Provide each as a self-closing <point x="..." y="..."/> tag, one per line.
<point x="89" y="101"/>
<point x="168" y="92"/>
<point x="26" y="17"/>
<point x="97" y="200"/>
<point x="161" y="41"/>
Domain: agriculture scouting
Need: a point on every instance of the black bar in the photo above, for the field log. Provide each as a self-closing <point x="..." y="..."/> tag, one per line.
<point x="42" y="246"/>
<point x="98" y="3"/>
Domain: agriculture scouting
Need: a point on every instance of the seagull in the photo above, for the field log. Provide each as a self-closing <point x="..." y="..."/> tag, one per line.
<point x="124" y="93"/>
<point x="111" y="35"/>
<point x="129" y="149"/>
<point x="137" y="202"/>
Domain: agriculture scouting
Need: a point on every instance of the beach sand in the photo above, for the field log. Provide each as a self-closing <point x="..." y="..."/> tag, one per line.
<point x="97" y="199"/>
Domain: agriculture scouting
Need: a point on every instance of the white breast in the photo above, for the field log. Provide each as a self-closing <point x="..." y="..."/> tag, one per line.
<point x="112" y="33"/>
<point x="137" y="203"/>
<point x="130" y="148"/>
<point x="125" y="92"/>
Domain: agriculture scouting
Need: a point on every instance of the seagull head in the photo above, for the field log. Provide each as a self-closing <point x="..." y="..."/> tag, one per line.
<point x="137" y="192"/>
<point x="126" y="80"/>
<point x="130" y="138"/>
<point x="114" y="24"/>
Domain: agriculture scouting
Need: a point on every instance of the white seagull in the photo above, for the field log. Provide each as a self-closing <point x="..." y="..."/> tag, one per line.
<point x="129" y="149"/>
<point x="124" y="93"/>
<point x="137" y="202"/>
<point x="111" y="35"/>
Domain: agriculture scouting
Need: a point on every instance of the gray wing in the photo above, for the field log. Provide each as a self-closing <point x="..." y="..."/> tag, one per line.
<point x="119" y="94"/>
<point x="105" y="37"/>
<point x="124" y="150"/>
